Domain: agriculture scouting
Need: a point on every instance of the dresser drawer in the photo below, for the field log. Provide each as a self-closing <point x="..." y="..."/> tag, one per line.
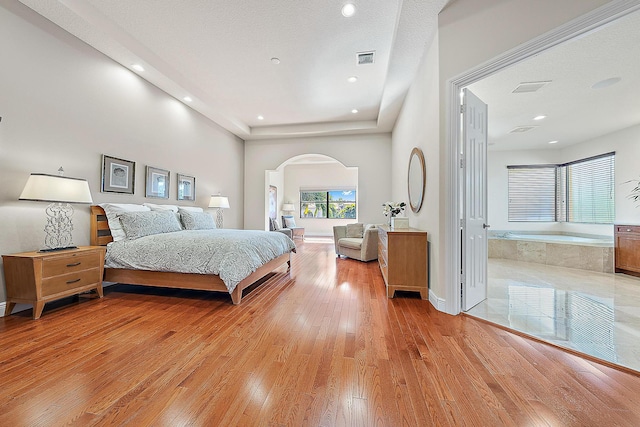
<point x="56" y="266"/>
<point x="628" y="229"/>
<point x="66" y="282"/>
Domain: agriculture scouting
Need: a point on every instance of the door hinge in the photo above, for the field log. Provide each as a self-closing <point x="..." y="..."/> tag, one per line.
<point x="462" y="109"/>
<point x="461" y="223"/>
<point x="461" y="163"/>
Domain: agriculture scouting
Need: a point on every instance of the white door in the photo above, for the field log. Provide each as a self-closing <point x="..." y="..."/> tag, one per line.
<point x="474" y="169"/>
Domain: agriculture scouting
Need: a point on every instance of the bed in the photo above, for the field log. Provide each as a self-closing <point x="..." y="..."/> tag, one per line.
<point x="101" y="235"/>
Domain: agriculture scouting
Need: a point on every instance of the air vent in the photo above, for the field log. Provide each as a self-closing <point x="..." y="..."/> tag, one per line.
<point x="530" y="87"/>
<point x="365" y="58"/>
<point x="522" y="129"/>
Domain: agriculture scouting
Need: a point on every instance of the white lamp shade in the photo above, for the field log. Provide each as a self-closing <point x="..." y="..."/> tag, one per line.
<point x="288" y="207"/>
<point x="55" y="188"/>
<point x="219" y="202"/>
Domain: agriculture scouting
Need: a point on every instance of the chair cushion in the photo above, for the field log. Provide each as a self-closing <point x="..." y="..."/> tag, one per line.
<point x="355" y="230"/>
<point x="350" y="242"/>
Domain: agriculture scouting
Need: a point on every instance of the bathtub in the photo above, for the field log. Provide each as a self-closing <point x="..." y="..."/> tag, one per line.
<point x="586" y="252"/>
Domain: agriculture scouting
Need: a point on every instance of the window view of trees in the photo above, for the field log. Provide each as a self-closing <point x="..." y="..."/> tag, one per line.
<point x="328" y="204"/>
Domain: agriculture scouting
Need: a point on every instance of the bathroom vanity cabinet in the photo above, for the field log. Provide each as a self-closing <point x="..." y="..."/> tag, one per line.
<point x="627" y="249"/>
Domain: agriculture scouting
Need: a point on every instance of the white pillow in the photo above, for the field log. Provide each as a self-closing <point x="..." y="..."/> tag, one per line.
<point x="197" y="221"/>
<point x="140" y="224"/>
<point x="113" y="212"/>
<point x="290" y="222"/>
<point x="153" y="207"/>
<point x="190" y="209"/>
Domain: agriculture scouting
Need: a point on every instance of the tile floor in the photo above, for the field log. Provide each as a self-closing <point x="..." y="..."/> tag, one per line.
<point x="593" y="313"/>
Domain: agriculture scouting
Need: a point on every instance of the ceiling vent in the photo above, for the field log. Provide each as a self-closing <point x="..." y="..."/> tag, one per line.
<point x="365" y="58"/>
<point x="530" y="87"/>
<point x="522" y="129"/>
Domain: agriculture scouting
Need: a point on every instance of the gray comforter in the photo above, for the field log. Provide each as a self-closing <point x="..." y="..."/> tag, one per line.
<point x="230" y="254"/>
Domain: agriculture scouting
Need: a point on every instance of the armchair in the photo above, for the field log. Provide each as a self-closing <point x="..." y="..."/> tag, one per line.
<point x="274" y="226"/>
<point x="357" y="241"/>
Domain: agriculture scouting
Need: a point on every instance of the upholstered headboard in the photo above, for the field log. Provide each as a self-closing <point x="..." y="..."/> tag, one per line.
<point x="100" y="232"/>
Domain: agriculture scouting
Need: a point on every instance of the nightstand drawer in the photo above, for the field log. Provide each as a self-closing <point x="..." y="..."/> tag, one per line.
<point x="56" y="266"/>
<point x="66" y="282"/>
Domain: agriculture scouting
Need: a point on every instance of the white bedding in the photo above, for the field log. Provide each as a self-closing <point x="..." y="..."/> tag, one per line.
<point x="230" y="254"/>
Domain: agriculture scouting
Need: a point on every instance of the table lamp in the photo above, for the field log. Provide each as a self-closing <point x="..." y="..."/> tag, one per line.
<point x="60" y="191"/>
<point x="219" y="202"/>
<point x="288" y="207"/>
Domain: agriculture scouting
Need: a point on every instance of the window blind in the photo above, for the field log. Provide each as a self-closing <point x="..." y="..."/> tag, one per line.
<point x="590" y="190"/>
<point x="579" y="191"/>
<point x="532" y="193"/>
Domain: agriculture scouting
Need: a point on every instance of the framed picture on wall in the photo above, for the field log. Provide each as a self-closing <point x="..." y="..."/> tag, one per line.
<point x="157" y="183"/>
<point x="118" y="175"/>
<point x="273" y="202"/>
<point x="186" y="187"/>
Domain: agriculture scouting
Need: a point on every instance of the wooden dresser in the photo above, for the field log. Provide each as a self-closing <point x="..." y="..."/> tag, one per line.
<point x="627" y="249"/>
<point x="37" y="277"/>
<point x="402" y="255"/>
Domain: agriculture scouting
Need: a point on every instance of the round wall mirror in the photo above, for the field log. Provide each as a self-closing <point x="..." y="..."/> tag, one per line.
<point x="417" y="179"/>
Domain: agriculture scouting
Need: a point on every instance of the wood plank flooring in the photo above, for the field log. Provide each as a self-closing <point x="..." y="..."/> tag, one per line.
<point x="322" y="347"/>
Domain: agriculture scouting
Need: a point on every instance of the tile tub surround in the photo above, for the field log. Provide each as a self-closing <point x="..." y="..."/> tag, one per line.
<point x="572" y="255"/>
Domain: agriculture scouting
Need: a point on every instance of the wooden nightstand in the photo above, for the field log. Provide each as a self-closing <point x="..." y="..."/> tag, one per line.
<point x="37" y="277"/>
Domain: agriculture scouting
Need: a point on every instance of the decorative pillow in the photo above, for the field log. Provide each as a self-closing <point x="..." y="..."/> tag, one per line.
<point x="153" y="207"/>
<point x="355" y="230"/>
<point x="276" y="224"/>
<point x="289" y="222"/>
<point x="140" y="224"/>
<point x="197" y="221"/>
<point x="190" y="209"/>
<point x="113" y="212"/>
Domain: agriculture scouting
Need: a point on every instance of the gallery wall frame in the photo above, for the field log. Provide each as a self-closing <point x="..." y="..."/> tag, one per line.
<point x="157" y="183"/>
<point x="186" y="187"/>
<point x="118" y="175"/>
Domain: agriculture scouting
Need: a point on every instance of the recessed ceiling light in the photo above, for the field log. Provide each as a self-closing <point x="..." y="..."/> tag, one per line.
<point x="187" y="99"/>
<point x="275" y="60"/>
<point x="352" y="79"/>
<point x="354" y="111"/>
<point x="260" y="118"/>
<point x="539" y="117"/>
<point x="605" y="83"/>
<point x="553" y="142"/>
<point x="138" y="67"/>
<point x="348" y="10"/>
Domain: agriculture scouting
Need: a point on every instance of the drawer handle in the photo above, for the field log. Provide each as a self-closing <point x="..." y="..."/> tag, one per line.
<point x="74" y="264"/>
<point x="72" y="281"/>
<point x="628" y="229"/>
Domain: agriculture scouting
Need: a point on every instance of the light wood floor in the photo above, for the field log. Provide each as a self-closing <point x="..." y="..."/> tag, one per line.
<point x="323" y="347"/>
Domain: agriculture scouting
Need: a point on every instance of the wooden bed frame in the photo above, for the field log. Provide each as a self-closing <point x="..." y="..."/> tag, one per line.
<point x="101" y="235"/>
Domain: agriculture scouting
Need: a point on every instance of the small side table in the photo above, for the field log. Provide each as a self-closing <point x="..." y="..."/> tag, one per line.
<point x="298" y="231"/>
<point x="38" y="277"/>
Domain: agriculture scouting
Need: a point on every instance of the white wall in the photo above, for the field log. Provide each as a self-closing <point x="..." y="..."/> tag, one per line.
<point x="64" y="104"/>
<point x="417" y="126"/>
<point x="319" y="176"/>
<point x="369" y="153"/>
<point x="624" y="142"/>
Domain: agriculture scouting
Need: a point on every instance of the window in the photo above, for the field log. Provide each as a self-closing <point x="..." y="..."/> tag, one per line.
<point x="590" y="190"/>
<point x="328" y="204"/>
<point x="579" y="191"/>
<point x="532" y="193"/>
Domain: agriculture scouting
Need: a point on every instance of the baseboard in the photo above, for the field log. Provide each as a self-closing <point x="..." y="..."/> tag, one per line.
<point x="3" y="305"/>
<point x="438" y="303"/>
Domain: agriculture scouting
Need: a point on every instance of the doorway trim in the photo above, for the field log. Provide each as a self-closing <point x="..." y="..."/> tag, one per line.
<point x="578" y="27"/>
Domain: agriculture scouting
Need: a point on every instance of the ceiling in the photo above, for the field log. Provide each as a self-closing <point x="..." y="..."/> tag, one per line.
<point x="575" y="111"/>
<point x="219" y="53"/>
